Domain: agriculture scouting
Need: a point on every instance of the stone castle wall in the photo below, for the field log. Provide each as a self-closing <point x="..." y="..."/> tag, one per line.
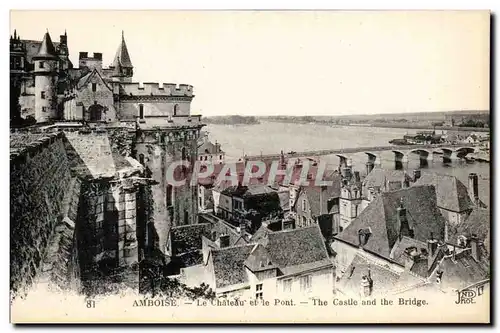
<point x="40" y="178"/>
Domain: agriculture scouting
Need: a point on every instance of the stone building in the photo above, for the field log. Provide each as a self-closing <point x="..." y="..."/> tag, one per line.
<point x="120" y="140"/>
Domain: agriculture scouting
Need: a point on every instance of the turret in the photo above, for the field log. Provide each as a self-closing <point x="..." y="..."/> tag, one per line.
<point x="122" y="65"/>
<point x="45" y="71"/>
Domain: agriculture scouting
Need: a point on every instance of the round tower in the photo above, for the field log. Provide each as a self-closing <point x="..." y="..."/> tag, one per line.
<point x="45" y="71"/>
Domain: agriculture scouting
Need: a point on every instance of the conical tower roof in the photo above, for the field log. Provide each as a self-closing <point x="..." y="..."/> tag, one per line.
<point x="122" y="58"/>
<point x="47" y="49"/>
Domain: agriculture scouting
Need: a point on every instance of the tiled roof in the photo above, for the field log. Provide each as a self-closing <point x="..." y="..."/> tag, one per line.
<point x="451" y="193"/>
<point x="381" y="178"/>
<point x="462" y="271"/>
<point x="187" y="238"/>
<point x="259" y="259"/>
<point x="229" y="266"/>
<point x="381" y="217"/>
<point x="383" y="278"/>
<point x="296" y="247"/>
<point x="478" y="223"/>
<point x="397" y="253"/>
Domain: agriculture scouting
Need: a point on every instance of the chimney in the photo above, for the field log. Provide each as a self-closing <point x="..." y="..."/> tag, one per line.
<point x="366" y="285"/>
<point x="83" y="55"/>
<point x="416" y="175"/>
<point x="357" y="178"/>
<point x="98" y="56"/>
<point x="432" y="245"/>
<point x="474" y="188"/>
<point x="475" y="251"/>
<point x="369" y="167"/>
<point x="404" y="227"/>
<point x="224" y="241"/>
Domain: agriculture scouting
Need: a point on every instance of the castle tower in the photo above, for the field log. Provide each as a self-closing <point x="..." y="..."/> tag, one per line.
<point x="17" y="75"/>
<point x="350" y="195"/>
<point x="122" y="66"/>
<point x="46" y="65"/>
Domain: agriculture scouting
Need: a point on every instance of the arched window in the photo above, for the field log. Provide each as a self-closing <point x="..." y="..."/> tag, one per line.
<point x="176" y="108"/>
<point x="141" y="111"/>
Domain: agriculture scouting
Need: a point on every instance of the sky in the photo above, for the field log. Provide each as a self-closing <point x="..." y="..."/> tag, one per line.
<point x="291" y="63"/>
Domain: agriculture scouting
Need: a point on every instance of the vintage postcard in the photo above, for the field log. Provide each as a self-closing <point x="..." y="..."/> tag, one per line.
<point x="250" y="167"/>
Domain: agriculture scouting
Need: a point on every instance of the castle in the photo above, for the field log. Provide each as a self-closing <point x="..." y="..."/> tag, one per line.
<point x="91" y="167"/>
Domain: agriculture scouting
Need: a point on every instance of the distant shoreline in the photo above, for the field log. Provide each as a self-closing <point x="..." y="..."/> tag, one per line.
<point x="382" y="125"/>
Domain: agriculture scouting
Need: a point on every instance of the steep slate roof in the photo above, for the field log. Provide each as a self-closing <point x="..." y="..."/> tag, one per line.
<point x="32" y="47"/>
<point x="462" y="272"/>
<point x="228" y="265"/>
<point x="451" y="193"/>
<point x="259" y="259"/>
<point x="477" y="223"/>
<point x="47" y="49"/>
<point x="380" y="178"/>
<point x="381" y="217"/>
<point x="397" y="252"/>
<point x="187" y="238"/>
<point x="383" y="278"/>
<point x="297" y="249"/>
<point x="122" y="58"/>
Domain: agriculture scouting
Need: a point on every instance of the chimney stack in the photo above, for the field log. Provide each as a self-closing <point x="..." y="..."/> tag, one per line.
<point x="404" y="227"/>
<point x="432" y="245"/>
<point x="475" y="251"/>
<point x="369" y="167"/>
<point x="366" y="285"/>
<point x="474" y="188"/>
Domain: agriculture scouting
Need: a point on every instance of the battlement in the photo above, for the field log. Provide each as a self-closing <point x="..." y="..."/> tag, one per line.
<point x="170" y="122"/>
<point x="85" y="55"/>
<point x="153" y="88"/>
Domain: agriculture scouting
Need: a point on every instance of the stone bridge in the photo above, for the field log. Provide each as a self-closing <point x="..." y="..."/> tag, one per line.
<point x="401" y="153"/>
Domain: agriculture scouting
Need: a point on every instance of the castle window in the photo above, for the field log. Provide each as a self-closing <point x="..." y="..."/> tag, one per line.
<point x="304" y="205"/>
<point x="186" y="217"/>
<point x="94" y="87"/>
<point x="141" y="159"/>
<point x="141" y="111"/>
<point x="183" y="153"/>
<point x="44" y="109"/>
<point x="42" y="94"/>
<point x="41" y="64"/>
<point x="176" y="108"/>
<point x="169" y="195"/>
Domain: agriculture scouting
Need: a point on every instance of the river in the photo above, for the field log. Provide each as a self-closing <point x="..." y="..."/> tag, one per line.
<point x="272" y="137"/>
